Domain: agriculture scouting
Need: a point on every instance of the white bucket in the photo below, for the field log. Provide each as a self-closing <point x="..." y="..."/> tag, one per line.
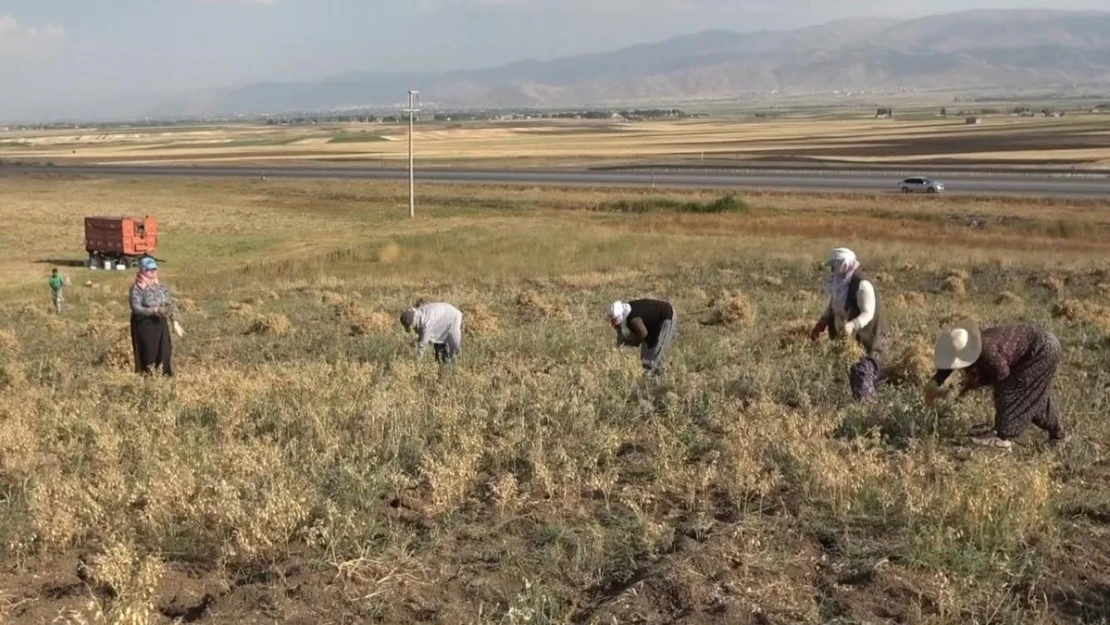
<point x="108" y="265"/>
<point x="121" y="267"/>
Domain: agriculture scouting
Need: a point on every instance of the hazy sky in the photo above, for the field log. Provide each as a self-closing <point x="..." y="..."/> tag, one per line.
<point x="85" y="50"/>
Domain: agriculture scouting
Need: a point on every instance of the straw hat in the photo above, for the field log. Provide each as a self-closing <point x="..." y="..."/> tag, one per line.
<point x="959" y="347"/>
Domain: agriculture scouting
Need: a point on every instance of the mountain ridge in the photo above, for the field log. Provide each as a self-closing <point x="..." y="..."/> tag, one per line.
<point x="1021" y="48"/>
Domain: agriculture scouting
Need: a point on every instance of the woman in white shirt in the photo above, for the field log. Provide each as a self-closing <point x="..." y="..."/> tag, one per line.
<point x="437" y="323"/>
<point x="854" y="310"/>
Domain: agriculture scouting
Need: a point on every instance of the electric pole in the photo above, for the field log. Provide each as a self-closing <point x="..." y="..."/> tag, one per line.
<point x="413" y="95"/>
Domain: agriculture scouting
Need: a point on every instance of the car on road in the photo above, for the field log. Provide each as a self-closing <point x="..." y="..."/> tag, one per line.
<point x="920" y="185"/>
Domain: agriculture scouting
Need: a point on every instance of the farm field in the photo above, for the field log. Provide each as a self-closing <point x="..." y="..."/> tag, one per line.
<point x="301" y="468"/>
<point x="1078" y="141"/>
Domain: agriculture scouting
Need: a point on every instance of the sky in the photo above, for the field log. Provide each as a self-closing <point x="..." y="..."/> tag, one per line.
<point x="77" y="51"/>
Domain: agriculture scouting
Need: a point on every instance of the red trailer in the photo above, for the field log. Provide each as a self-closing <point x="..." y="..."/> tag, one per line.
<point x="115" y="241"/>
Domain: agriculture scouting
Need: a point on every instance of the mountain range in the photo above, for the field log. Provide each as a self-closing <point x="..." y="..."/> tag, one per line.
<point x="971" y="50"/>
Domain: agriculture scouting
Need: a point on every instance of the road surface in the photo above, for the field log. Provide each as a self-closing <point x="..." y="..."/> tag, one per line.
<point x="1091" y="185"/>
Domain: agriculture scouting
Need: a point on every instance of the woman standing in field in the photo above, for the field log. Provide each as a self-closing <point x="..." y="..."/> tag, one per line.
<point x="1018" y="362"/>
<point x="854" y="310"/>
<point x="152" y="313"/>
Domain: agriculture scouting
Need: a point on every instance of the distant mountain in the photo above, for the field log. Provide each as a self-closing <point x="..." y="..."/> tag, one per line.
<point x="972" y="49"/>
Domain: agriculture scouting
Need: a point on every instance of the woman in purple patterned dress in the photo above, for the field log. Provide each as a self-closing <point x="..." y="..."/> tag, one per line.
<point x="1018" y="362"/>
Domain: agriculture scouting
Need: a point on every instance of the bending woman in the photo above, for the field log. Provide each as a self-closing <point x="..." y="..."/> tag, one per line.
<point x="854" y="310"/>
<point x="1018" y="362"/>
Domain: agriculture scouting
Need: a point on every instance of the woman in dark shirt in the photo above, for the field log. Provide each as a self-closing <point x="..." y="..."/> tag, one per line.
<point x="1018" y="362"/>
<point x="649" y="324"/>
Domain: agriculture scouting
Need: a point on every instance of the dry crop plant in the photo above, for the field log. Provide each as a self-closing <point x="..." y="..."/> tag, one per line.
<point x="309" y="467"/>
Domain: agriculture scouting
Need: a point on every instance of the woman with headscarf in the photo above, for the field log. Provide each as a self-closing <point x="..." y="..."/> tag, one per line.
<point x="649" y="324"/>
<point x="153" y="315"/>
<point x="1018" y="362"/>
<point x="854" y="310"/>
<point x="438" y="323"/>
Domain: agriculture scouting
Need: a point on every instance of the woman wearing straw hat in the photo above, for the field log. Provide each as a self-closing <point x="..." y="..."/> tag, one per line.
<point x="153" y="315"/>
<point x="1018" y="362"/>
<point x="854" y="310"/>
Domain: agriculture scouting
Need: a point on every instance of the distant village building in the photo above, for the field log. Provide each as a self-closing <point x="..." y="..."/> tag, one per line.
<point x="973" y="121"/>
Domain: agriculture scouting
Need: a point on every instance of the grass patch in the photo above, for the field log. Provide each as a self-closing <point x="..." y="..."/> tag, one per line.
<point x="356" y="137"/>
<point x="723" y="204"/>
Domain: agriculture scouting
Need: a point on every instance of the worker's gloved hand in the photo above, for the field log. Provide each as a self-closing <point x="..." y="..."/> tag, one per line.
<point x="815" y="333"/>
<point x="932" y="392"/>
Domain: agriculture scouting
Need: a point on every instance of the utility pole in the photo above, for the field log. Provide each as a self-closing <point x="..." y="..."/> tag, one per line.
<point x="412" y="178"/>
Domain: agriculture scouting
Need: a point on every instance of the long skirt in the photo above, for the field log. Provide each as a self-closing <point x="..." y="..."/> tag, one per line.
<point x="1026" y="395"/>
<point x="864" y="375"/>
<point x="652" y="357"/>
<point x="151" y="344"/>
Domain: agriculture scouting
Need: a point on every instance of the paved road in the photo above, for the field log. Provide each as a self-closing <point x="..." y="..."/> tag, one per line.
<point x="1083" y="185"/>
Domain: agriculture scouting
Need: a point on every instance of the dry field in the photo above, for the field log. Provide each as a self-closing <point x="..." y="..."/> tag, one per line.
<point x="1076" y="141"/>
<point x="302" y="469"/>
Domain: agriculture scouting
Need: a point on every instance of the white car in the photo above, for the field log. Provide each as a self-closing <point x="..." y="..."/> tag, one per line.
<point x="920" y="185"/>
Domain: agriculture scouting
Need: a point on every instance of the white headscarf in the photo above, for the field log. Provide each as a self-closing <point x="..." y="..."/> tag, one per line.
<point x="844" y="265"/>
<point x="619" y="310"/>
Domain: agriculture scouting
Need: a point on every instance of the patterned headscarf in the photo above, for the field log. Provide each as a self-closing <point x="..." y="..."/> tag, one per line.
<point x="146" y="279"/>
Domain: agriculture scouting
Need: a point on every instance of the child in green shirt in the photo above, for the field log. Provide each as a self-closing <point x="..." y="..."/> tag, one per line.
<point x="57" y="283"/>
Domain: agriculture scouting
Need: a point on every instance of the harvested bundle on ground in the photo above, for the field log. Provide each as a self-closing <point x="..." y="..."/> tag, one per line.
<point x="730" y="308"/>
<point x="955" y="285"/>
<point x="273" y="325"/>
<point x="479" y="320"/>
<point x="119" y="353"/>
<point x="913" y="366"/>
<point x="1079" y="311"/>
<point x="1006" y="298"/>
<point x="912" y="299"/>
<point x="532" y="306"/>
<point x="884" y="278"/>
<point x="331" y="298"/>
<point x="184" y="304"/>
<point x="368" y="322"/>
<point x="794" y="332"/>
<point x="361" y="321"/>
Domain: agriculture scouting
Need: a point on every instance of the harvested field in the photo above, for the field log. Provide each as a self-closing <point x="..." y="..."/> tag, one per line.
<point x="1073" y="141"/>
<point x="302" y="468"/>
